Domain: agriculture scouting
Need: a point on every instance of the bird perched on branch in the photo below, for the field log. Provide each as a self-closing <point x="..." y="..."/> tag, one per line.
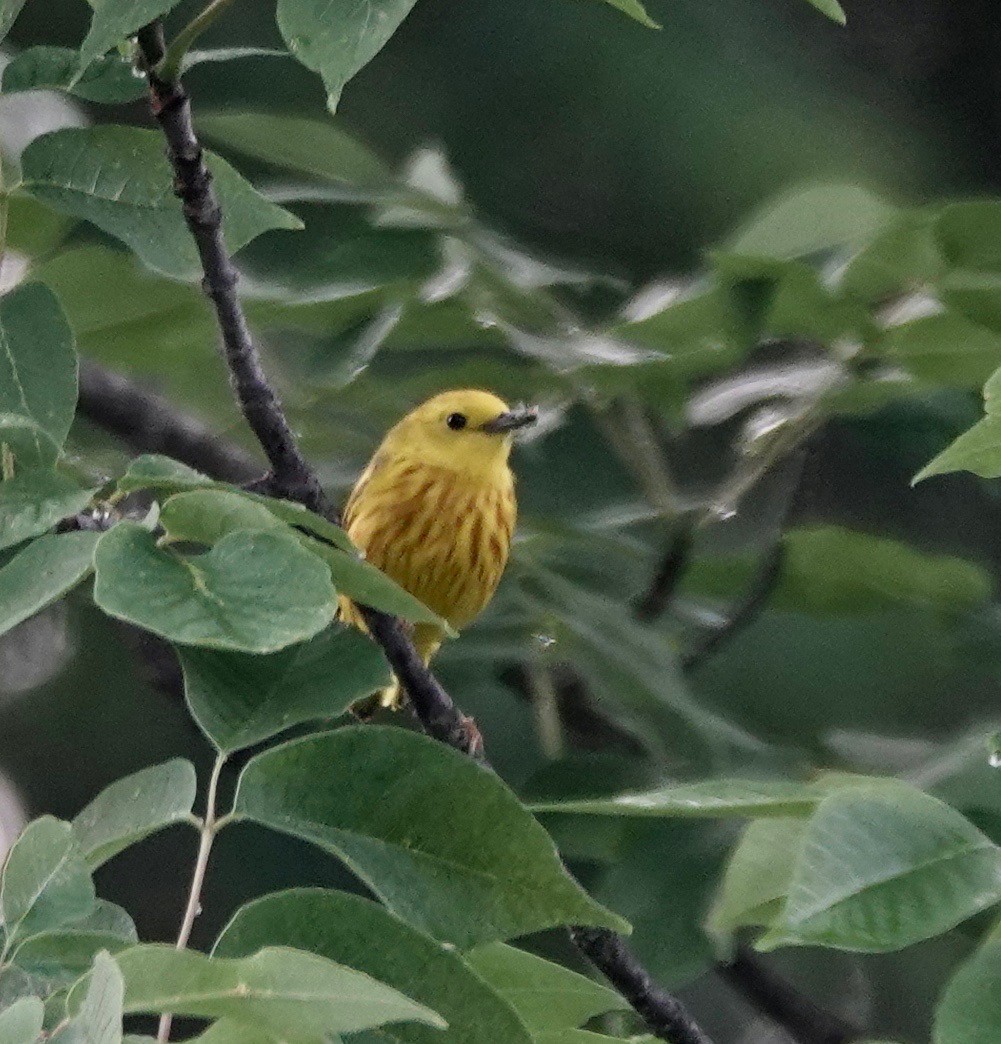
<point x="435" y="510"/>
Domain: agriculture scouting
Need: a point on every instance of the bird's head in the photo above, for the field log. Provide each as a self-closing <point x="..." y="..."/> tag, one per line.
<point x="468" y="431"/>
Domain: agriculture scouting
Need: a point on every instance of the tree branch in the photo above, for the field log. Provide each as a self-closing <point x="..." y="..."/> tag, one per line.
<point x="151" y="424"/>
<point x="783" y="1003"/>
<point x="295" y="479"/>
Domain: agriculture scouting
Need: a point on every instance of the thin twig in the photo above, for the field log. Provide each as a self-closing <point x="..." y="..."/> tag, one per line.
<point x="434" y="707"/>
<point x="208" y="833"/>
<point x="658" y="596"/>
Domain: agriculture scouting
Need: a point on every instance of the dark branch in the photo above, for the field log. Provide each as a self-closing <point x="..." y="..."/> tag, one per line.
<point x="297" y="481"/>
<point x="150" y="424"/>
<point x="744" y="613"/>
<point x="771" y="994"/>
<point x="291" y="475"/>
<point x="657" y="597"/>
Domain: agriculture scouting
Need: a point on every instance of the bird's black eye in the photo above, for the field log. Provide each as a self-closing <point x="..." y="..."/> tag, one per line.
<point x="456" y="421"/>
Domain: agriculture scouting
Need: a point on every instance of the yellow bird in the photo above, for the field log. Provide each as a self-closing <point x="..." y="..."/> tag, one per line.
<point x="435" y="509"/>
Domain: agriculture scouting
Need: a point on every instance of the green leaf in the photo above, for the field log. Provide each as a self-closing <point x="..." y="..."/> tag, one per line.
<point x="205" y="516"/>
<point x="441" y="840"/>
<point x="43" y="572"/>
<point x="546" y="996"/>
<point x="635" y="10"/>
<point x="833" y="571"/>
<point x="100" y="1017"/>
<point x="135" y="807"/>
<point x="45" y="880"/>
<point x="362" y="582"/>
<point x="882" y="869"/>
<point x="302" y="518"/>
<point x="967" y="235"/>
<point x="970" y="1009"/>
<point x="715" y="798"/>
<point x="321" y="149"/>
<point x="60" y="956"/>
<point x="34" y="501"/>
<point x="810" y="220"/>
<point x="239" y="700"/>
<point x="359" y="933"/>
<point x="117" y="20"/>
<point x="832" y="9"/>
<point x="977" y="450"/>
<point x="38" y="365"/>
<point x="284" y="991"/>
<point x="21" y="1023"/>
<point x="108" y="79"/>
<point x="252" y="592"/>
<point x="338" y="42"/>
<point x="944" y="349"/>
<point x="758" y="876"/>
<point x="901" y="258"/>
<point x="579" y="1036"/>
<point x="9" y="10"/>
<point x="118" y="178"/>
<point x="151" y="471"/>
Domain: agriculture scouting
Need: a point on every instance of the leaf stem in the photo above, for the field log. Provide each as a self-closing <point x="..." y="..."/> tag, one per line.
<point x="170" y="68"/>
<point x="210" y="827"/>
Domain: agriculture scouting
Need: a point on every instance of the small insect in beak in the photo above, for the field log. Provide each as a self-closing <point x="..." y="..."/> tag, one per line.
<point x="511" y="420"/>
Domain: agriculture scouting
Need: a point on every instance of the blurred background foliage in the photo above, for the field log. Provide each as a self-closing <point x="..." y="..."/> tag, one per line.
<point x="520" y="195"/>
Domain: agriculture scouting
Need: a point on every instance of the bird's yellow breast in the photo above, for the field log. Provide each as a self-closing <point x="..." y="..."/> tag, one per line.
<point x="441" y="534"/>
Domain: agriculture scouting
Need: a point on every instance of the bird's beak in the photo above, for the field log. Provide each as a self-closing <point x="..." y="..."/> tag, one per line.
<point x="511" y="420"/>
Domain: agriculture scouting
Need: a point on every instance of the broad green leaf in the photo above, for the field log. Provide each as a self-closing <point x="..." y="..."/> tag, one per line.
<point x="100" y="1017"/>
<point x="944" y="349"/>
<point x="882" y="869"/>
<point x="228" y="1031"/>
<point x="118" y="178"/>
<point x="437" y="837"/>
<point x="635" y="10"/>
<point x="970" y="1009"/>
<point x="362" y="582"/>
<point x="363" y="935"/>
<point x="252" y="592"/>
<point x="302" y="518"/>
<point x="809" y="220"/>
<point x="901" y="258"/>
<point x="9" y="10"/>
<point x="716" y="798"/>
<point x="21" y="1023"/>
<point x="288" y="992"/>
<point x="239" y="700"/>
<point x="205" y="516"/>
<point x="60" y="956"/>
<point x="135" y="807"/>
<point x="967" y="235"/>
<point x="321" y="149"/>
<point x="107" y="79"/>
<point x="38" y="365"/>
<point x="546" y="996"/>
<point x="43" y="572"/>
<point x="977" y="450"/>
<point x="828" y="570"/>
<point x="117" y="20"/>
<point x="33" y="229"/>
<point x="832" y="9"/>
<point x="758" y="875"/>
<point x="34" y="501"/>
<point x="45" y="880"/>
<point x="151" y="471"/>
<point x="338" y="42"/>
